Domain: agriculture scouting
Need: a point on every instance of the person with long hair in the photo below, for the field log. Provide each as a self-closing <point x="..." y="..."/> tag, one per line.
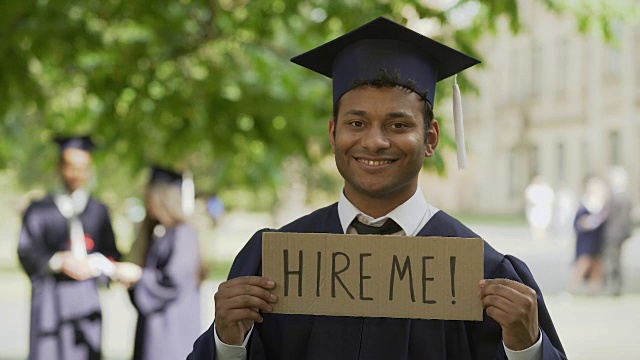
<point x="167" y="292"/>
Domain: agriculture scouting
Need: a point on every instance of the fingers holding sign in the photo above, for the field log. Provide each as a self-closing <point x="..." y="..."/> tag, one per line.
<point x="238" y="304"/>
<point x="515" y="307"/>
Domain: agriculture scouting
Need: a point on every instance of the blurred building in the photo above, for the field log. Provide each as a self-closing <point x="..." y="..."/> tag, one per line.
<point x="552" y="102"/>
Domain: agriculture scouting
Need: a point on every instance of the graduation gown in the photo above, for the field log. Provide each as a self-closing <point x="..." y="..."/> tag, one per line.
<point x="65" y="313"/>
<point x="588" y="241"/>
<point x="167" y="297"/>
<point x="293" y="337"/>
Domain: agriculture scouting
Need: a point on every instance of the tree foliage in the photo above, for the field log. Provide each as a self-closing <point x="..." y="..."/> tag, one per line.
<point x="201" y="84"/>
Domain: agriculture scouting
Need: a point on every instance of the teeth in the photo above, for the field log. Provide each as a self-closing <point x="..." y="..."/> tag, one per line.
<point x="374" y="162"/>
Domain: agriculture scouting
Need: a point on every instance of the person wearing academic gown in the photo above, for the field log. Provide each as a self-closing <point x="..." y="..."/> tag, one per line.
<point x="382" y="130"/>
<point x="66" y="246"/>
<point x="589" y="225"/>
<point x="618" y="228"/>
<point x="167" y="294"/>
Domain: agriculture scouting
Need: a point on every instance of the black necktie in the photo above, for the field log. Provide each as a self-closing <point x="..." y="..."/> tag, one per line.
<point x="389" y="227"/>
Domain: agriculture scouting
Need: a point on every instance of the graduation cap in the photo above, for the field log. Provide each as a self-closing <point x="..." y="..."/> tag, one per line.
<point x="161" y="175"/>
<point x="383" y="45"/>
<point x="184" y="181"/>
<point x="76" y="142"/>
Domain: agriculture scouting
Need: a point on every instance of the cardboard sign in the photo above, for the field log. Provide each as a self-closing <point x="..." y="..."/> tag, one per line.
<point x="374" y="275"/>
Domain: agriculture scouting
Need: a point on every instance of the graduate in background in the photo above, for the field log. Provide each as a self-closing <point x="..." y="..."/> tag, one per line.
<point x="166" y="293"/>
<point x="382" y="130"/>
<point x="617" y="229"/>
<point x="67" y="244"/>
<point x="539" y="198"/>
<point x="589" y="225"/>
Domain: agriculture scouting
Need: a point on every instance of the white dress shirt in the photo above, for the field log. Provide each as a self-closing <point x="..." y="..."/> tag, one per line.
<point x="405" y="216"/>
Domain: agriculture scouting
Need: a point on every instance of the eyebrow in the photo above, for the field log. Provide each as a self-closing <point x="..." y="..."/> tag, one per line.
<point x="392" y="115"/>
<point x="355" y="112"/>
<point x="398" y="115"/>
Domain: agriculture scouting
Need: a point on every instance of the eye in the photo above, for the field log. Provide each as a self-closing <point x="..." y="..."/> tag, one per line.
<point x="399" y="125"/>
<point x="356" y="123"/>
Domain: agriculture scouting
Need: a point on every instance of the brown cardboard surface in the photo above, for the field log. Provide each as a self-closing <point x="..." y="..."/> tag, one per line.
<point x="374" y="275"/>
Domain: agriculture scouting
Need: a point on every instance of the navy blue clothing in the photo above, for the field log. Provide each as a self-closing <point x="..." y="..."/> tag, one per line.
<point x="167" y="297"/>
<point x="289" y="337"/>
<point x="65" y="313"/>
<point x="588" y="241"/>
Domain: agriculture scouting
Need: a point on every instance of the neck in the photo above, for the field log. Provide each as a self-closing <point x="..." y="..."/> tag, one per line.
<point x="378" y="207"/>
<point x="66" y="190"/>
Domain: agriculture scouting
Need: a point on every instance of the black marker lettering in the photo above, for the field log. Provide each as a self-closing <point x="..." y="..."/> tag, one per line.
<point x="363" y="277"/>
<point x="335" y="274"/>
<point x="287" y="272"/>
<point x="405" y="268"/>
<point x="425" y="279"/>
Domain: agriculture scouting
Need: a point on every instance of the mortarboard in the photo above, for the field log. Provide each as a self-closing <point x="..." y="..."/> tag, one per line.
<point x="76" y="142"/>
<point x="163" y="175"/>
<point x="382" y="44"/>
<point x="160" y="175"/>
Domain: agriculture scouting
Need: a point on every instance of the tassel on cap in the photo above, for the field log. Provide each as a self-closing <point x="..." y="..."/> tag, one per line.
<point x="188" y="193"/>
<point x="458" y="124"/>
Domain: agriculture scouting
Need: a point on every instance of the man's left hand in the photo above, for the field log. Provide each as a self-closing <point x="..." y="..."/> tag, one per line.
<point x="515" y="307"/>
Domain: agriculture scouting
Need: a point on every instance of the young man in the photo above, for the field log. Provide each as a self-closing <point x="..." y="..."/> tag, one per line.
<point x="66" y="243"/>
<point x="382" y="130"/>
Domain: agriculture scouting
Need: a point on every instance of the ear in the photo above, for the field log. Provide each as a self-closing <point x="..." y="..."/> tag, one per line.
<point x="332" y="135"/>
<point x="433" y="135"/>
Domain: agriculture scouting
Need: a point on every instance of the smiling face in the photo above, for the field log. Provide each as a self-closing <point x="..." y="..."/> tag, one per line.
<point x="378" y="139"/>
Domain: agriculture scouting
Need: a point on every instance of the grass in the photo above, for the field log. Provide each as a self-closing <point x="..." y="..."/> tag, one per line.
<point x="217" y="269"/>
<point x="498" y="219"/>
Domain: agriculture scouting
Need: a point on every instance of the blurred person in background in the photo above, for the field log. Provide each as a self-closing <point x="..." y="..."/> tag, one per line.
<point x="589" y="225"/>
<point x="215" y="209"/>
<point x="539" y="198"/>
<point x="166" y="292"/>
<point x="66" y="247"/>
<point x="564" y="211"/>
<point x="617" y="228"/>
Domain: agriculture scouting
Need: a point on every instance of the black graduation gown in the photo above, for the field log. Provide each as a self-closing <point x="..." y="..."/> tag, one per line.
<point x="588" y="241"/>
<point x="167" y="297"/>
<point x="294" y="337"/>
<point x="65" y="313"/>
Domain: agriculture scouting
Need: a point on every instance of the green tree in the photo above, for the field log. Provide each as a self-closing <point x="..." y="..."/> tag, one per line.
<point x="194" y="83"/>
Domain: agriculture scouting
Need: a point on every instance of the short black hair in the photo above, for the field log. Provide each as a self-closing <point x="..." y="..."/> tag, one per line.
<point x="386" y="80"/>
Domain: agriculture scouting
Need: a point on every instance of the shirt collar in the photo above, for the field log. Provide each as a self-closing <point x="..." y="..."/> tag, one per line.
<point x="73" y="203"/>
<point x="409" y="215"/>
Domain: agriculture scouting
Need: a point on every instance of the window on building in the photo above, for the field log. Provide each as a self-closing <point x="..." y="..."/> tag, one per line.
<point x="513" y="174"/>
<point x="562" y="163"/>
<point x="585" y="159"/>
<point x="536" y="69"/>
<point x="563" y="68"/>
<point x="614" y="62"/>
<point x="517" y="81"/>
<point x="636" y="44"/>
<point x="534" y="168"/>
<point x="613" y="55"/>
<point x="614" y="147"/>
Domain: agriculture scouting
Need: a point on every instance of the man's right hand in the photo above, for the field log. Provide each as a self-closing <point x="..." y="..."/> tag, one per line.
<point x="238" y="304"/>
<point x="77" y="269"/>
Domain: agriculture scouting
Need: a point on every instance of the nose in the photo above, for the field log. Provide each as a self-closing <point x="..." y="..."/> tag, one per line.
<point x="375" y="139"/>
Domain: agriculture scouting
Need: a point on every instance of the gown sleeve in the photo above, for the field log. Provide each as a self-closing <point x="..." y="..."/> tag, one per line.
<point x="515" y="269"/>
<point x="159" y="286"/>
<point x="107" y="238"/>
<point x="33" y="252"/>
<point x="247" y="263"/>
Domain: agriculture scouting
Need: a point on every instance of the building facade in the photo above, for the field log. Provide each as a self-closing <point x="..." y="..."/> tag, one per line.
<point x="553" y="102"/>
